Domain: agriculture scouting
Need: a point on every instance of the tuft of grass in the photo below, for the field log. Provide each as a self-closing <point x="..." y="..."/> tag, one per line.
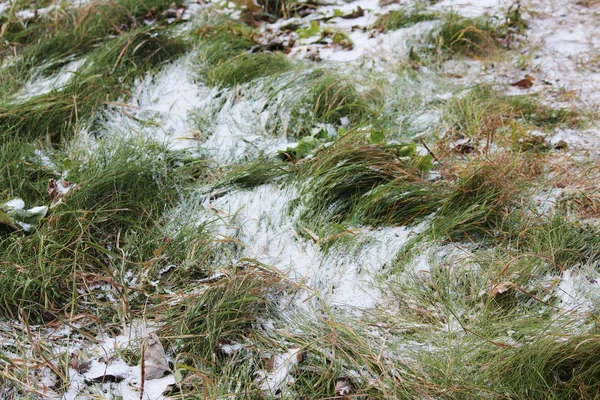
<point x="561" y="243"/>
<point x="259" y="172"/>
<point x="403" y="18"/>
<point x="101" y="228"/>
<point x="68" y="33"/>
<point x="485" y="114"/>
<point x="246" y="67"/>
<point x="466" y="36"/>
<point x="481" y="200"/>
<point x="356" y="182"/>
<point x="329" y="98"/>
<point x="227" y="57"/>
<point x="224" y="312"/>
<point x="552" y="367"/>
<point x="104" y="77"/>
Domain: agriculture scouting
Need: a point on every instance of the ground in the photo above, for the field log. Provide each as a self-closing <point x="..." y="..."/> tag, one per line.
<point x="300" y="200"/>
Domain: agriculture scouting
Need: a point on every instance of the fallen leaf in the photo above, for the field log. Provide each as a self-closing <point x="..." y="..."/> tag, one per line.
<point x="500" y="288"/>
<point x="343" y="386"/>
<point x="58" y="189"/>
<point x="359" y="12"/>
<point x="525" y="83"/>
<point x="463" y="148"/>
<point x="560" y="145"/>
<point x="155" y="361"/>
<point x="108" y="378"/>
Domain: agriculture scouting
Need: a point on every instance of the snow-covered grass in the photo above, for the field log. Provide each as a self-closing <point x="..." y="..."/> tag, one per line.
<point x="299" y="201"/>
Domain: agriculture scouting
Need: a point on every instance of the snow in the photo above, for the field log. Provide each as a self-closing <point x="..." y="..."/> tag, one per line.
<point x="471" y="8"/>
<point x="15" y="204"/>
<point x="104" y="360"/>
<point x="579" y="289"/>
<point x="342" y="276"/>
<point x="160" y="107"/>
<point x="40" y="85"/>
<point x="279" y="376"/>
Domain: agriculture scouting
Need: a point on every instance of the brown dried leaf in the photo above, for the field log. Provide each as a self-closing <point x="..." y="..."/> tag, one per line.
<point x="359" y="12"/>
<point x="525" y="83"/>
<point x="500" y="288"/>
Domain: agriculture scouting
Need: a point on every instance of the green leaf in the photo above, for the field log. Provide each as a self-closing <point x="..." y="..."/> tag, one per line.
<point x="31" y="217"/>
<point x="425" y="163"/>
<point x="312" y="30"/>
<point x="377" y="137"/>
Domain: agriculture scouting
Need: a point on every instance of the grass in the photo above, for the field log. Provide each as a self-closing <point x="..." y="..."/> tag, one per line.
<point x="247" y="67"/>
<point x="485" y="294"/>
<point x="118" y="199"/>
<point x="224" y="313"/>
<point x="354" y="182"/>
<point x="226" y="58"/>
<point x="403" y="18"/>
<point x="505" y="120"/>
<point x="262" y="171"/>
<point x="68" y="33"/>
<point x="105" y="76"/>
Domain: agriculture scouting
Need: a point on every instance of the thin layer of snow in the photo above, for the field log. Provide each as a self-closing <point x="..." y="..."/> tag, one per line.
<point x="279" y="377"/>
<point x="579" y="289"/>
<point x="104" y="359"/>
<point x="15" y="204"/>
<point x="342" y="276"/>
<point x="471" y="8"/>
<point x="160" y="107"/>
<point x="40" y="85"/>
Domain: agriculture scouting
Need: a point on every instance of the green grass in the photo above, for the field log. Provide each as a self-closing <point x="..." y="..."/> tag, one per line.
<point x="246" y="67"/>
<point x="226" y="58"/>
<point x="484" y="113"/>
<point x="105" y="76"/>
<point x="102" y="227"/>
<point x="68" y="33"/>
<point x="143" y="234"/>
<point x="263" y="170"/>
<point x="353" y="182"/>
<point x="466" y="36"/>
<point x="224" y="312"/>
<point x="403" y="18"/>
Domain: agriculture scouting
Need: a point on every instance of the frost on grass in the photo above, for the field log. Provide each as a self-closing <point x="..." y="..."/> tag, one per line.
<point x="267" y="230"/>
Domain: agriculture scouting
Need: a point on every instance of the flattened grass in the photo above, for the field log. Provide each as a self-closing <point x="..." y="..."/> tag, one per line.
<point x="102" y="226"/>
<point x="104" y="77"/>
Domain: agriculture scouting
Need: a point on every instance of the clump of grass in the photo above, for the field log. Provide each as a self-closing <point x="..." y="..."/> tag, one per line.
<point x="481" y="200"/>
<point x="561" y="243"/>
<point x="329" y="98"/>
<point x="21" y="176"/>
<point x="224" y="312"/>
<point x="484" y="113"/>
<point x="403" y="18"/>
<point x="365" y="183"/>
<point x="259" y="172"/>
<point x="333" y="98"/>
<point x="466" y="36"/>
<point x="72" y="32"/>
<point x="110" y="220"/>
<point x="279" y="8"/>
<point x="246" y="67"/>
<point x="105" y="76"/>
<point x="557" y="367"/>
<point x="226" y="57"/>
